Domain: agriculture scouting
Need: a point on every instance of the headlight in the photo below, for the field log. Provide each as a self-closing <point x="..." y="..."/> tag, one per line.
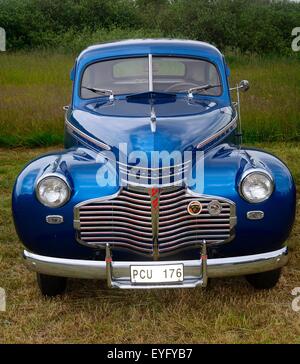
<point x="256" y="186"/>
<point x="52" y="191"/>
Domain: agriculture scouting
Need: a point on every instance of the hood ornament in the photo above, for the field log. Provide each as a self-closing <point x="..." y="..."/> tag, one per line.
<point x="153" y="120"/>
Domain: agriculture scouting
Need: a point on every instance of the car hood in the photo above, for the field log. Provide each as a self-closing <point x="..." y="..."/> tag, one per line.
<point x="180" y="125"/>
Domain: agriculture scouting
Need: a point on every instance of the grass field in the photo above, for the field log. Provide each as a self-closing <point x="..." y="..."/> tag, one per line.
<point x="36" y="85"/>
<point x="229" y="311"/>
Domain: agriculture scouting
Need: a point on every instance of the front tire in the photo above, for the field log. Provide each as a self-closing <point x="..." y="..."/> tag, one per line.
<point x="265" y="280"/>
<point x="51" y="286"/>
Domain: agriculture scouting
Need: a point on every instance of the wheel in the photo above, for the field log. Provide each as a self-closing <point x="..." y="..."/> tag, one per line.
<point x="51" y="286"/>
<point x="265" y="280"/>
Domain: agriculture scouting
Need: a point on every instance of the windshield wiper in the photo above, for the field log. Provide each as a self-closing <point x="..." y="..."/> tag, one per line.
<point x="199" y="89"/>
<point x="101" y="91"/>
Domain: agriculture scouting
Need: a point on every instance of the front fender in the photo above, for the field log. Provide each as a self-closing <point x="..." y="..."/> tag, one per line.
<point x="223" y="167"/>
<point x="79" y="167"/>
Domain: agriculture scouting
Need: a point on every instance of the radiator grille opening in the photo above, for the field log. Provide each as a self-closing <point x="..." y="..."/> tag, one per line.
<point x="125" y="220"/>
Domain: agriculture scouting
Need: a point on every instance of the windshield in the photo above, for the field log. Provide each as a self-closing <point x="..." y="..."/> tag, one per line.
<point x="167" y="74"/>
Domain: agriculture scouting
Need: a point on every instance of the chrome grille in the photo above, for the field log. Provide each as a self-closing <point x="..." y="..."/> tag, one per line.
<point x="124" y="220"/>
<point x="171" y="175"/>
<point x="178" y="229"/>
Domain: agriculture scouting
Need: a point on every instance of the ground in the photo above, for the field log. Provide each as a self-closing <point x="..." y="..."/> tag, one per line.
<point x="228" y="311"/>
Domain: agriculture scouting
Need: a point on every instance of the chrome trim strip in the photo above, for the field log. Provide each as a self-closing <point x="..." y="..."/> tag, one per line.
<point x="87" y="137"/>
<point x="183" y="220"/>
<point x="190" y="193"/>
<point x="120" y="214"/>
<point x="150" y="71"/>
<point x="122" y="235"/>
<point x="153" y="177"/>
<point x="164" y="241"/>
<point x="128" y="221"/>
<point x="182" y="231"/>
<point x="232" y="123"/>
<point x="154" y="193"/>
<point x="156" y="168"/>
<point x="97" y="199"/>
<point x="220" y="267"/>
<point x="258" y="170"/>
<point x="163" y="185"/>
<point x="52" y="174"/>
<point x="184" y="214"/>
<point x="120" y="204"/>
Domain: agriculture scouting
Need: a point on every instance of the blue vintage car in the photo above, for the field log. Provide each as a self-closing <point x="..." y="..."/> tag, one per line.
<point x="153" y="188"/>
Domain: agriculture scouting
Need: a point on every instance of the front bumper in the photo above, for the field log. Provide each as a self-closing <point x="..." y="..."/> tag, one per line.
<point x="196" y="272"/>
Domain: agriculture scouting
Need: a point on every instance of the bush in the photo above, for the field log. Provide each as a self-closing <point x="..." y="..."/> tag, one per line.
<point x="257" y="26"/>
<point x="75" y="41"/>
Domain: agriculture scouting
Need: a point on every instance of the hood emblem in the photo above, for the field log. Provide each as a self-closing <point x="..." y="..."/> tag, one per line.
<point x="214" y="208"/>
<point x="194" y="208"/>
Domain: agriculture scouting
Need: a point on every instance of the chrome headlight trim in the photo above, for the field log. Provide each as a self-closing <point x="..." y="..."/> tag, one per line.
<point x="260" y="171"/>
<point x="59" y="176"/>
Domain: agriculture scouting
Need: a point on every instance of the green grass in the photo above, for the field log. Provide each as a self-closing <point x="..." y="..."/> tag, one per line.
<point x="229" y="311"/>
<point x="34" y="88"/>
<point x="271" y="108"/>
<point x="36" y="85"/>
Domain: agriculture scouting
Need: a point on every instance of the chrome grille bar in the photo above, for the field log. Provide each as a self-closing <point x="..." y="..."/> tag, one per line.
<point x="163" y="176"/>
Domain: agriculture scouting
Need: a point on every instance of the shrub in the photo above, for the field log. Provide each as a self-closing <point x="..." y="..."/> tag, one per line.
<point x="257" y="26"/>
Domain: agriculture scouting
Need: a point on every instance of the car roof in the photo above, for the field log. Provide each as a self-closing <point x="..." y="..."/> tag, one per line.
<point x="140" y="47"/>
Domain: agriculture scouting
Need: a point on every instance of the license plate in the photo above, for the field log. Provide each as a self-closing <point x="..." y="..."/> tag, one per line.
<point x="166" y="273"/>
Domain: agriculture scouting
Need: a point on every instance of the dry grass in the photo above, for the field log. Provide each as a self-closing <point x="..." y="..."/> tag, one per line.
<point x="229" y="311"/>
